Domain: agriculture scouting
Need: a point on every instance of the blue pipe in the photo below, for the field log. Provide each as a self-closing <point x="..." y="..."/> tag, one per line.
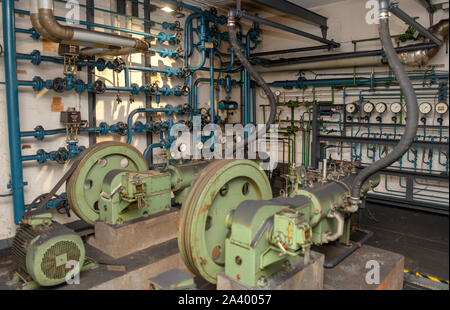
<point x="168" y="111"/>
<point x="12" y="98"/>
<point x="211" y="89"/>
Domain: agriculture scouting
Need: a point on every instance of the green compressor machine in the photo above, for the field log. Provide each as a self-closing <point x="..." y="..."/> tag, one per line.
<point x="252" y="239"/>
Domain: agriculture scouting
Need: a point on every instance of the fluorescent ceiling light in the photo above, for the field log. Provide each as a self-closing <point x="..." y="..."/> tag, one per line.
<point x="167" y="9"/>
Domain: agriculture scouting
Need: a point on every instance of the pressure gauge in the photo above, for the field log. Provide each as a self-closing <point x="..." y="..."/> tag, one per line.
<point x="405" y="108"/>
<point x="277" y="93"/>
<point x="396" y="107"/>
<point x="381" y="107"/>
<point x="441" y="108"/>
<point x="351" y="108"/>
<point x="425" y="108"/>
<point x="368" y="107"/>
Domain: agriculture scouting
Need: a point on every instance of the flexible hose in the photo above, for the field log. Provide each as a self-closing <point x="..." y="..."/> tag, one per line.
<point x="259" y="80"/>
<point x="412" y="122"/>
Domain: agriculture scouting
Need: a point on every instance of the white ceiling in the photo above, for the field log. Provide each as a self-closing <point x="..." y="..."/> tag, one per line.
<point x="312" y="3"/>
<point x="251" y="4"/>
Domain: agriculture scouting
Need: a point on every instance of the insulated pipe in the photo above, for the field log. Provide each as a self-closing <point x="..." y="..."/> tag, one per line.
<point x="34" y="17"/>
<point x="99" y="51"/>
<point x="411" y="102"/>
<point x="259" y="80"/>
<point x="411" y="55"/>
<point x="71" y="34"/>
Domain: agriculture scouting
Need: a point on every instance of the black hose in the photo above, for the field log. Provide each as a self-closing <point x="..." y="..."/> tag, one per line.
<point x="259" y="80"/>
<point x="412" y="122"/>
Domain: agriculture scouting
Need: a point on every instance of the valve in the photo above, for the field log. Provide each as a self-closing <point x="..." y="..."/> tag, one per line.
<point x="59" y="85"/>
<point x="61" y="155"/>
<point x="122" y="129"/>
<point x="99" y="87"/>
<point x="118" y="65"/>
<point x="153" y="88"/>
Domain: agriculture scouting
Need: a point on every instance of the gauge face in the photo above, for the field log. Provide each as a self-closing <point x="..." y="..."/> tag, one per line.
<point x="405" y="108"/>
<point x="381" y="107"/>
<point x="425" y="108"/>
<point x="396" y="107"/>
<point x="368" y="107"/>
<point x="277" y="93"/>
<point x="441" y="108"/>
<point x="351" y="108"/>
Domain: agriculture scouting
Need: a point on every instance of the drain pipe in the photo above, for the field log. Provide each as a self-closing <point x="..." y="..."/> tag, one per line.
<point x="72" y="34"/>
<point x="411" y="102"/>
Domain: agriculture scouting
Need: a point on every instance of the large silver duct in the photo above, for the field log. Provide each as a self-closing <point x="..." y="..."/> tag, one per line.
<point x="82" y="36"/>
<point x="101" y="52"/>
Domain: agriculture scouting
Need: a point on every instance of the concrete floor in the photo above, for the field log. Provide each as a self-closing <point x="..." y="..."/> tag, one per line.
<point x="423" y="238"/>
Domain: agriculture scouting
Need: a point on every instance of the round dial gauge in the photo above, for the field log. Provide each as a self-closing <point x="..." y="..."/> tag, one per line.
<point x="369" y="107"/>
<point x="441" y="108"/>
<point x="405" y="107"/>
<point x="351" y="108"/>
<point x="277" y="93"/>
<point x="396" y="107"/>
<point x="425" y="108"/>
<point x="381" y="107"/>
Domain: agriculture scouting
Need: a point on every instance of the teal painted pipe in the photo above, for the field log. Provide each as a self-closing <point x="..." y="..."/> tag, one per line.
<point x="12" y="102"/>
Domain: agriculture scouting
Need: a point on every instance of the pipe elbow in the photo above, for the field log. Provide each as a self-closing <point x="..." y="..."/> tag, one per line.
<point x="50" y="24"/>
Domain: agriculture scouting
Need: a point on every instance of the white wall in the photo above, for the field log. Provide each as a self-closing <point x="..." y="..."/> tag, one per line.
<point x="346" y="23"/>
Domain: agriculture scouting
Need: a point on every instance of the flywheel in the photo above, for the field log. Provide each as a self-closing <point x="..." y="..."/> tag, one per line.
<point x="208" y="207"/>
<point x="85" y="185"/>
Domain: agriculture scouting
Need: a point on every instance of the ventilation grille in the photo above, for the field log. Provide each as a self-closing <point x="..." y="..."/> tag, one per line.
<point x="51" y="267"/>
<point x="23" y="237"/>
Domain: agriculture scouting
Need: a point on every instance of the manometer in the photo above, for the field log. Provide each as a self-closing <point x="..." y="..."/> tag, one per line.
<point x="351" y="108"/>
<point x="425" y="108"/>
<point x="368" y="107"/>
<point x="396" y="107"/>
<point x="381" y="107"/>
<point x="441" y="108"/>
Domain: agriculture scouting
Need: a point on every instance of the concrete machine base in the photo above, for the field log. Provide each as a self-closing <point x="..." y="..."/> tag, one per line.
<point x="350" y="274"/>
<point x="299" y="277"/>
<point x="121" y="240"/>
<point x="129" y="255"/>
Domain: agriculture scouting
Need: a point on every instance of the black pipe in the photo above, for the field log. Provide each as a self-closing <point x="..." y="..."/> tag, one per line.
<point x="309" y="59"/>
<point x="410" y="21"/>
<point x="292" y="50"/>
<point x="260" y="20"/>
<point x="412" y="121"/>
<point x="259" y="80"/>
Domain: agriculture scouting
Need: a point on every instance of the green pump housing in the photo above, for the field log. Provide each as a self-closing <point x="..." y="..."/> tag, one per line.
<point x="267" y="235"/>
<point x="128" y="195"/>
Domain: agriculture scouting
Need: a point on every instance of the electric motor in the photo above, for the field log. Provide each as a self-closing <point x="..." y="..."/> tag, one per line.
<point x="47" y="252"/>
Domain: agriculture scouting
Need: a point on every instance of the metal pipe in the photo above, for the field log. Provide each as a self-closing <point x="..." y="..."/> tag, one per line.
<point x="259" y="80"/>
<point x="417" y="54"/>
<point x="34" y="18"/>
<point x="260" y="20"/>
<point x="393" y="7"/>
<point x="12" y="102"/>
<point x="292" y="50"/>
<point x="71" y="34"/>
